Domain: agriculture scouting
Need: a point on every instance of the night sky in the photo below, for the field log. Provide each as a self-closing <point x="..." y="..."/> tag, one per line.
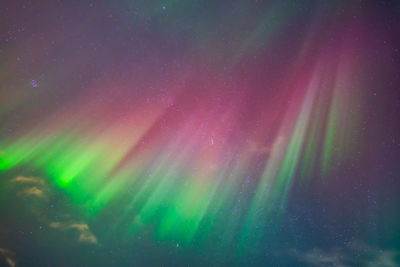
<point x="199" y="133"/>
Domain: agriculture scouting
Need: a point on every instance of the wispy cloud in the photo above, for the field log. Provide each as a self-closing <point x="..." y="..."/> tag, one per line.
<point x="354" y="253"/>
<point x="318" y="257"/>
<point x="6" y="257"/>
<point x="28" y="180"/>
<point x="30" y="186"/>
<point x="85" y="235"/>
<point x="31" y="191"/>
<point x="386" y="258"/>
<point x="37" y="187"/>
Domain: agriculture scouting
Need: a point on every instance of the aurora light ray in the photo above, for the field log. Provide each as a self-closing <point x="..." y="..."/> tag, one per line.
<point x="189" y="138"/>
<point x="174" y="176"/>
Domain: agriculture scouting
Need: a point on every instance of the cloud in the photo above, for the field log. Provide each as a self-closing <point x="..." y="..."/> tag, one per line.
<point x="6" y="257"/>
<point x="28" y="180"/>
<point x="32" y="191"/>
<point x="385" y="258"/>
<point x="85" y="235"/>
<point x="35" y="188"/>
<point x="55" y="225"/>
<point x="354" y="253"/>
<point x="318" y="257"/>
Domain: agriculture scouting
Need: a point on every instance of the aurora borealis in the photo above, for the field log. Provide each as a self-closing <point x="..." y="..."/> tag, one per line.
<point x="199" y="133"/>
